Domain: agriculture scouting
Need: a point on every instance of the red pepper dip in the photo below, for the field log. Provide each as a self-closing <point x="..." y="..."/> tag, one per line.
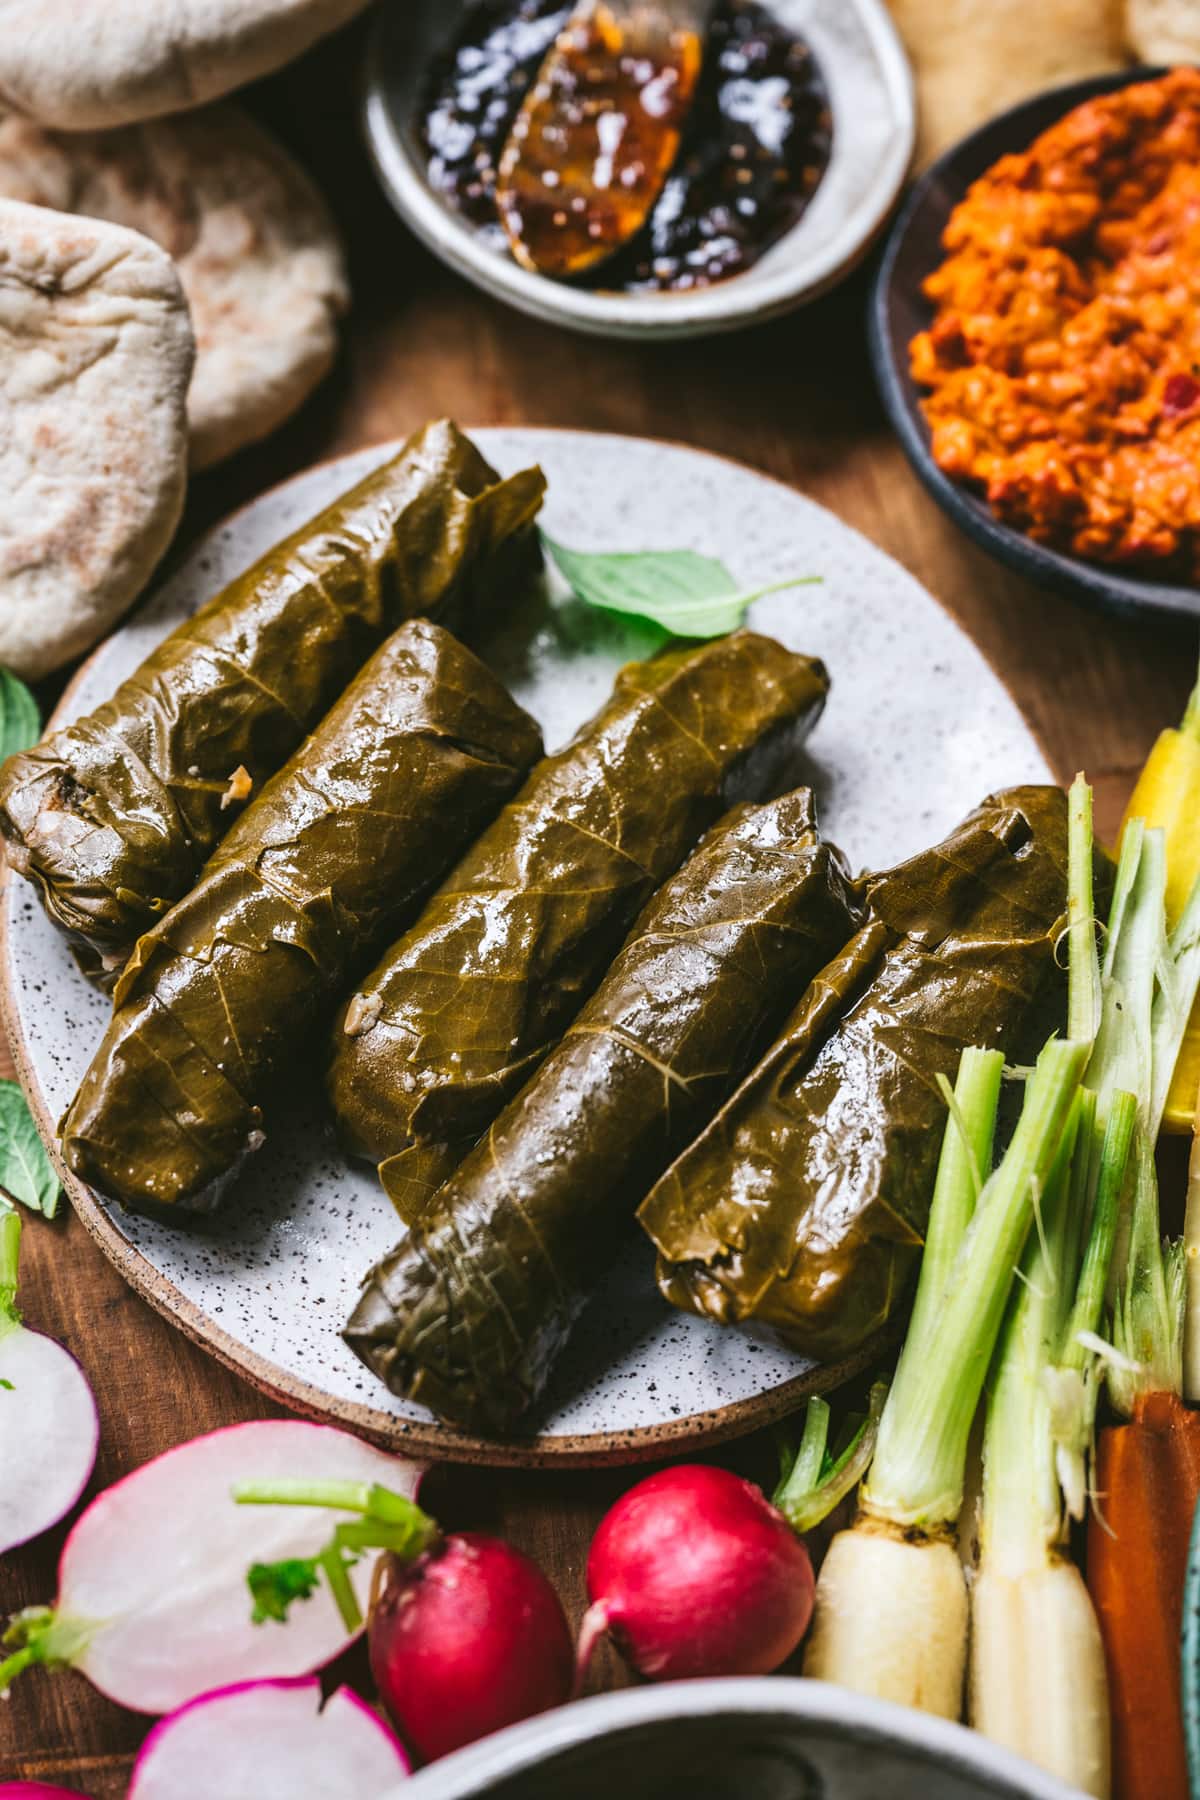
<point x="1063" y="361"/>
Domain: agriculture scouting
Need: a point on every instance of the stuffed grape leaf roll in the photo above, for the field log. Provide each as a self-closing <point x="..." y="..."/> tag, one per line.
<point x="470" y="1311"/>
<point x="321" y="869"/>
<point x="464" y="1006"/>
<point x="113" y="816"/>
<point x="803" y="1204"/>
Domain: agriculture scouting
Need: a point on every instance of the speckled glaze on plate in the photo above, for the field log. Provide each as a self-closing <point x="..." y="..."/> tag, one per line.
<point x="874" y="127"/>
<point x="917" y="731"/>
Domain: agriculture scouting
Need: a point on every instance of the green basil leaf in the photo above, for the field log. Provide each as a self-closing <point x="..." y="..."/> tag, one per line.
<point x="20" y="725"/>
<point x="689" y="595"/>
<point x="26" y="1172"/>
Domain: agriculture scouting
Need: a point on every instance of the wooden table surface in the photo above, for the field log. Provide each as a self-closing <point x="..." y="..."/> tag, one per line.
<point x="795" y="399"/>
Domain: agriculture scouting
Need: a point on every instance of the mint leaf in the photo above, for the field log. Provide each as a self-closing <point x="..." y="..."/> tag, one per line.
<point x="26" y="1172"/>
<point x="687" y="594"/>
<point x="20" y="725"/>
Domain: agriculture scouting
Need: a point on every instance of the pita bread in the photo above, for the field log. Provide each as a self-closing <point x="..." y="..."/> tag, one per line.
<point x="257" y="254"/>
<point x="84" y="64"/>
<point x="973" y="58"/>
<point x="1164" y="31"/>
<point x="95" y="357"/>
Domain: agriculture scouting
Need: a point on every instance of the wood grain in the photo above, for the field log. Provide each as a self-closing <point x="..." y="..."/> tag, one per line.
<point x="794" y="399"/>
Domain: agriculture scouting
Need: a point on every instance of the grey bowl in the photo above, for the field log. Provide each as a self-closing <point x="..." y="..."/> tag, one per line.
<point x="899" y="310"/>
<point x="764" y="1738"/>
<point x="870" y="91"/>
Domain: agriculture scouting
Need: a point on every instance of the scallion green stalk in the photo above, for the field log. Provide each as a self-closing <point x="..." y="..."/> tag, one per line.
<point x="1037" y="1679"/>
<point x="916" y="1478"/>
<point x="963" y="1168"/>
<point x="820" y="1479"/>
<point x="1149" y="1313"/>
<point x="891" y="1603"/>
<point x="1083" y="964"/>
<point x="10" y="1257"/>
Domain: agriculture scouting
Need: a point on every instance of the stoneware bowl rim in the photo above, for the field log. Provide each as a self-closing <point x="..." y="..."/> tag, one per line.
<point x="787" y="275"/>
<point x="522" y="1749"/>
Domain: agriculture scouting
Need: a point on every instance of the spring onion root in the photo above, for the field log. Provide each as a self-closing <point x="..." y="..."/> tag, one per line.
<point x="891" y="1618"/>
<point x="891" y="1602"/>
<point x="1037" y="1672"/>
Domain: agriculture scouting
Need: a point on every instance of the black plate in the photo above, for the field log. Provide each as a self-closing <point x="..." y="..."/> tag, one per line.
<point x="899" y="311"/>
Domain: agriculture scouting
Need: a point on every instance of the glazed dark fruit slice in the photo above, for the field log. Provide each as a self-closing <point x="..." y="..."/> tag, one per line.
<point x="234" y="985"/>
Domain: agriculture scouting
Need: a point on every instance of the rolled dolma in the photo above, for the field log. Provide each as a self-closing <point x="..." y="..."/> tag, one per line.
<point x="803" y="1204"/>
<point x="470" y="1311"/>
<point x="464" y="1006"/>
<point x="113" y="817"/>
<point x="317" y="874"/>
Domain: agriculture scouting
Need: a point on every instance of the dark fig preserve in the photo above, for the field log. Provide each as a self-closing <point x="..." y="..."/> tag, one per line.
<point x="755" y="143"/>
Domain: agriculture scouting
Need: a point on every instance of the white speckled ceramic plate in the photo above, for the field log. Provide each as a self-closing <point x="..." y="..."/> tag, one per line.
<point x="917" y="731"/>
<point x="874" y="126"/>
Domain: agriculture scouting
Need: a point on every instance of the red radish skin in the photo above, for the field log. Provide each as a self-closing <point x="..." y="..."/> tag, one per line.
<point x="48" y="1415"/>
<point x="37" y="1790"/>
<point x="275" y="1740"/>
<point x="49" y="1427"/>
<point x="694" y="1572"/>
<point x="466" y="1639"/>
<point x="152" y="1601"/>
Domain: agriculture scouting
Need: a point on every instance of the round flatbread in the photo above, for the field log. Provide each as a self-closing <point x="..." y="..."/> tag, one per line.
<point x="1164" y="31"/>
<point x="973" y="58"/>
<point x="256" y="251"/>
<point x="83" y="64"/>
<point x="95" y="357"/>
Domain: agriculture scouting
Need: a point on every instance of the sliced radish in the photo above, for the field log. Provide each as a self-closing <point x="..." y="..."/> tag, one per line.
<point x="152" y="1602"/>
<point x="272" y="1740"/>
<point x="37" y="1790"/>
<point x="48" y="1424"/>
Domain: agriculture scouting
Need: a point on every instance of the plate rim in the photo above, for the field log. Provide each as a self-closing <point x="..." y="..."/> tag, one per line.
<point x="391" y="1431"/>
<point x="1092" y="584"/>
<point x="706" y="312"/>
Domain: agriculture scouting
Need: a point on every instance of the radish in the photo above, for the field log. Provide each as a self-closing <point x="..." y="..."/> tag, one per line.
<point x="466" y="1634"/>
<point x="273" y="1740"/>
<point x="468" y="1638"/>
<point x="151" y="1582"/>
<point x="49" y="1429"/>
<point x="694" y="1572"/>
<point x="37" y="1790"/>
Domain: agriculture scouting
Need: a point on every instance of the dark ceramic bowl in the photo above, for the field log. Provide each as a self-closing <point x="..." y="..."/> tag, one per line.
<point x="757" y="1738"/>
<point x="899" y="311"/>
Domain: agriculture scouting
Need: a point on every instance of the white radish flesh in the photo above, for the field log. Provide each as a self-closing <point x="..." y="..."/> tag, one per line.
<point x="270" y="1740"/>
<point x="1038" y="1683"/>
<point x="153" y="1605"/>
<point x="48" y="1424"/>
<point x="49" y="1432"/>
<point x="891" y="1620"/>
